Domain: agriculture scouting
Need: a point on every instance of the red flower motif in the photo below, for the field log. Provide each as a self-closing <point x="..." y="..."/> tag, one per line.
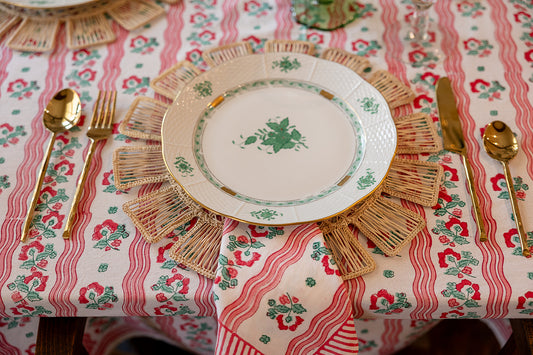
<point x="327" y="268"/>
<point x="256" y="233"/>
<point x="453" y="303"/>
<point x="54" y="214"/>
<point x="37" y="275"/>
<point x="16" y="85"/>
<point x="455" y="222"/>
<point x="467" y="270"/>
<point x="131" y="80"/>
<point x="25" y="248"/>
<point x="284" y="299"/>
<point x="138" y="41"/>
<point x="359" y="45"/>
<point x="529" y="55"/>
<point x="87" y="74"/>
<point x="475" y="287"/>
<point x="95" y="286"/>
<point x="471" y="43"/>
<point x="158" y="310"/>
<point x="252" y="39"/>
<point x="66" y="163"/>
<point x="457" y="313"/>
<point x="478" y="84"/>
<point x="242" y="239"/>
<point x="420" y="100"/>
<point x="522" y="300"/>
<point x="508" y="237"/>
<point x="108" y="224"/>
<point x="381" y="293"/>
<point x="282" y="326"/>
<point x="239" y="261"/>
<point x="184" y="282"/>
<point x="161" y="297"/>
<point x="496" y="181"/>
<point x="232" y="272"/>
<point x="17" y="297"/>
<point x="430" y="77"/>
<point x="80" y="54"/>
<point x="446" y="252"/>
<point x="453" y="173"/>
<point x="161" y="251"/>
<point x="207" y="35"/>
<point x="49" y="190"/>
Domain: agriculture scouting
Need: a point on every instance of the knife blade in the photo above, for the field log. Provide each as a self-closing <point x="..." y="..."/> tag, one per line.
<point x="453" y="139"/>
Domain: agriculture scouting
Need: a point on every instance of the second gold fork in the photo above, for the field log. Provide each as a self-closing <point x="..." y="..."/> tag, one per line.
<point x="100" y="128"/>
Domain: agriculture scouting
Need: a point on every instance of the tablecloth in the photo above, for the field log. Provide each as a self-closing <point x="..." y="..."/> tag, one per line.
<point x="107" y="269"/>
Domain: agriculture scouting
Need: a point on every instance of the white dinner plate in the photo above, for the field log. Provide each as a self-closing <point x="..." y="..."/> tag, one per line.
<point x="46" y="4"/>
<point x="279" y="138"/>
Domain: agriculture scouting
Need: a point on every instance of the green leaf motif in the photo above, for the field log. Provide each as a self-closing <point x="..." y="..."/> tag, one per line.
<point x="183" y="167"/>
<point x="203" y="89"/>
<point x="369" y="104"/>
<point x="285" y="65"/>
<point x="366" y="181"/>
<point x="265" y="339"/>
<point x="279" y="135"/>
<point x="266" y="214"/>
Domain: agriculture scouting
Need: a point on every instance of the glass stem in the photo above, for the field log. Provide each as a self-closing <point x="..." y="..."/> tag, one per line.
<point x="421" y="23"/>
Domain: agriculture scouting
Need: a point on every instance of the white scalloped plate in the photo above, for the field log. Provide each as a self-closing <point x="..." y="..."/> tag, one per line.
<point x="46" y="4"/>
<point x="279" y="138"/>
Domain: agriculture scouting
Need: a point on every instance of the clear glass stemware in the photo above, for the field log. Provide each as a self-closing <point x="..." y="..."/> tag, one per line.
<point x="419" y="40"/>
<point x="420" y="20"/>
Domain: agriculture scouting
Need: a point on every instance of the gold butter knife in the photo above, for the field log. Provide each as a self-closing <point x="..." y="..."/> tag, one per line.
<point x="452" y="136"/>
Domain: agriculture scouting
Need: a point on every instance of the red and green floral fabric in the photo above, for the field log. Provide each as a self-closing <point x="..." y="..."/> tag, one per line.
<point x="108" y="270"/>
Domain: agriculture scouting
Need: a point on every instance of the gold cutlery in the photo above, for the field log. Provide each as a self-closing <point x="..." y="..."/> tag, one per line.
<point x="62" y="113"/>
<point x="452" y="136"/>
<point x="501" y="144"/>
<point x="100" y="128"/>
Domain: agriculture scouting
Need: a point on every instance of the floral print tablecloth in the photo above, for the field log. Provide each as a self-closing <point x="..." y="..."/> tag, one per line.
<point x="108" y="270"/>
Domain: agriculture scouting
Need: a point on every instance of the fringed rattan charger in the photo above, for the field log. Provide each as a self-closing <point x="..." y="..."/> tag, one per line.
<point x="380" y="217"/>
<point x="87" y="24"/>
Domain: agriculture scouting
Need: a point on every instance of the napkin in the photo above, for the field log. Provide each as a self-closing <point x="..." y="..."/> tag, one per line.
<point x="277" y="290"/>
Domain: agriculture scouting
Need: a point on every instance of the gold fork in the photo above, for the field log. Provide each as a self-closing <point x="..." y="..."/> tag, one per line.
<point x="100" y="128"/>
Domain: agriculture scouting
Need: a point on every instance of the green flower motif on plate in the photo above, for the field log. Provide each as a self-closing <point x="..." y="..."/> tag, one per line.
<point x="366" y="181"/>
<point x="285" y="65"/>
<point x="266" y="214"/>
<point x="369" y="104"/>
<point x="203" y="89"/>
<point x="264" y="339"/>
<point x="183" y="167"/>
<point x="278" y="136"/>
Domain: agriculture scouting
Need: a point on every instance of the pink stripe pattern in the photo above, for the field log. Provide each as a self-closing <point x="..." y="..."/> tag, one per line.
<point x="231" y="343"/>
<point x="318" y="334"/>
<point x="492" y="265"/>
<point x="267" y="279"/>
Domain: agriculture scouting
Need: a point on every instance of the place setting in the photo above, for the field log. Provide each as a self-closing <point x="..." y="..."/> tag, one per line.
<point x="209" y="155"/>
<point x="33" y="26"/>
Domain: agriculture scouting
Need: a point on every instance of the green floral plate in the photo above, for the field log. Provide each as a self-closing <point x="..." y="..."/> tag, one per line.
<point x="278" y="138"/>
<point x="46" y="4"/>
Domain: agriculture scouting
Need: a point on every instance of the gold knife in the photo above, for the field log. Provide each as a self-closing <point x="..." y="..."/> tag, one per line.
<point x="454" y="141"/>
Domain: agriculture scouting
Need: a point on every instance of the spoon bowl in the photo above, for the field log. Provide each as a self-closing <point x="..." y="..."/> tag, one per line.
<point x="499" y="141"/>
<point x="501" y="144"/>
<point x="62" y="113"/>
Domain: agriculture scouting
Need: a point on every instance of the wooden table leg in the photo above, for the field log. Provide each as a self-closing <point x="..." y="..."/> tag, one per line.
<point x="60" y="336"/>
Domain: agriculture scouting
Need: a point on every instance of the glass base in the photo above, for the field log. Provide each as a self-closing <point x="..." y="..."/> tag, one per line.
<point x="420" y="48"/>
<point x="324" y="14"/>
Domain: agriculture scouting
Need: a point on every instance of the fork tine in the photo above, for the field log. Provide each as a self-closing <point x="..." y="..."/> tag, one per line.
<point x="111" y="113"/>
<point x="96" y="110"/>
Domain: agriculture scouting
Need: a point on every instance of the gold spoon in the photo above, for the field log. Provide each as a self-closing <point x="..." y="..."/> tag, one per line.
<point x="501" y="144"/>
<point x="62" y="113"/>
